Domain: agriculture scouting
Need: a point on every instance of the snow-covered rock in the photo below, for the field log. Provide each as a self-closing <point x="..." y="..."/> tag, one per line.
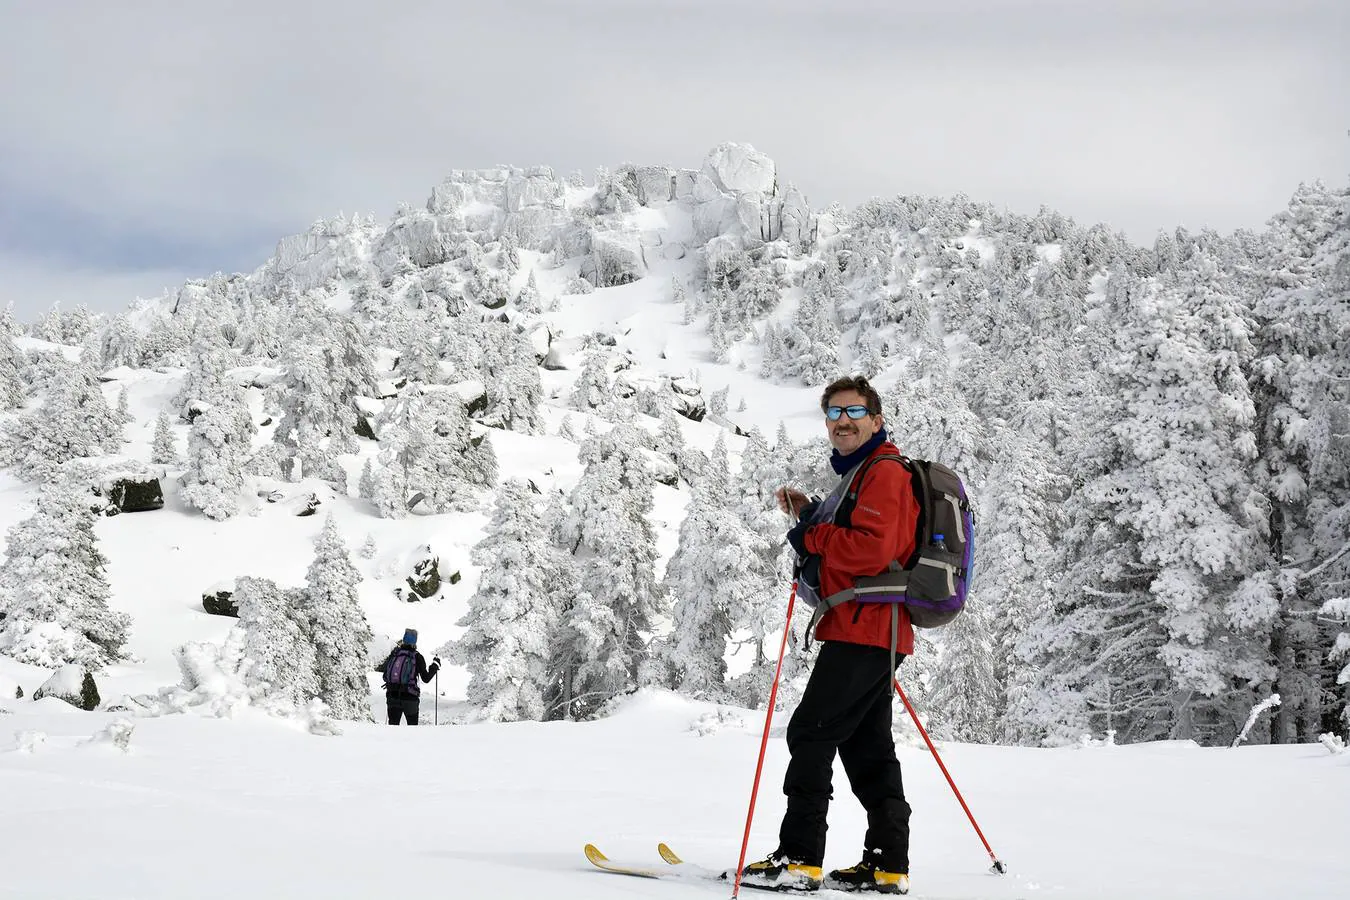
<point x="737" y="168"/>
<point x="616" y="258"/>
<point x="73" y="684"/>
<point x="117" y="736"/>
<point x="331" y="248"/>
<point x="655" y="185"/>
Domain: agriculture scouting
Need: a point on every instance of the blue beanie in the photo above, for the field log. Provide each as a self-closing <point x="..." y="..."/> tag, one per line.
<point x="410" y="637"/>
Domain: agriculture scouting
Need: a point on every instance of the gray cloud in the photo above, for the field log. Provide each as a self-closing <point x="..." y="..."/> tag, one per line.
<point x="191" y="136"/>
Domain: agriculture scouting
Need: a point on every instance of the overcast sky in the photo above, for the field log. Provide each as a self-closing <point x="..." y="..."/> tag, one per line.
<point x="145" y="142"/>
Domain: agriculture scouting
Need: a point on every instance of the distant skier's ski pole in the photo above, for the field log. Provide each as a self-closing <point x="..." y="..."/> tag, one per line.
<point x="999" y="866"/>
<point x="764" y="741"/>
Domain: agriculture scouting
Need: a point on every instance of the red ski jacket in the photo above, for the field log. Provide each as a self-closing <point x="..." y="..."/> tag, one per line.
<point x="881" y="529"/>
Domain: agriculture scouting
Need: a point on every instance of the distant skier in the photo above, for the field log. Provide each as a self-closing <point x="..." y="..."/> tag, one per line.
<point x="846" y="707"/>
<point x="402" y="668"/>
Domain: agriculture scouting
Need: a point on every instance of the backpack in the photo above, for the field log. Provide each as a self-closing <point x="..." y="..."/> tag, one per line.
<point x="934" y="581"/>
<point x="400" y="670"/>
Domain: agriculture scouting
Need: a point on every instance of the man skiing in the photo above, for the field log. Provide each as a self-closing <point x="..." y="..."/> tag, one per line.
<point x="402" y="668"/>
<point x="846" y="707"/>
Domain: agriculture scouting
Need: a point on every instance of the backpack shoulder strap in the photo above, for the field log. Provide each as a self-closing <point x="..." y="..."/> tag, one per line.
<point x="850" y="498"/>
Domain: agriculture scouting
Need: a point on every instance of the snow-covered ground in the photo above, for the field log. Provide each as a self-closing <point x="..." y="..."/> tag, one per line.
<point x="253" y="807"/>
<point x="196" y="807"/>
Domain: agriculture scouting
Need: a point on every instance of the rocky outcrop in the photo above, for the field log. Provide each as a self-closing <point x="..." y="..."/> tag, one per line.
<point x="616" y="258"/>
<point x="736" y="194"/>
<point x="332" y="248"/>
<point x="73" y="684"/>
<point x="122" y="489"/>
<point x="217" y="602"/>
<point x="425" y="579"/>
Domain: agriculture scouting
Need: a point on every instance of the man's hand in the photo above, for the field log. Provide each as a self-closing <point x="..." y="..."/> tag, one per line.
<point x="436" y="661"/>
<point x="790" y="501"/>
<point x="797" y="537"/>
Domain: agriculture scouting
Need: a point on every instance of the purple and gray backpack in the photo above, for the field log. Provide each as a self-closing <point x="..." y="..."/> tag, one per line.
<point x="934" y="581"/>
<point x="400" y="670"/>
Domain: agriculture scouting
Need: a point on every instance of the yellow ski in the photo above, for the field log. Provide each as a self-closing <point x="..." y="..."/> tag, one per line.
<point x="601" y="861"/>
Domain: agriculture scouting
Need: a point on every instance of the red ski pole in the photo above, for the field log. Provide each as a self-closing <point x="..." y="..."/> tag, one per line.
<point x="764" y="742"/>
<point x="999" y="865"/>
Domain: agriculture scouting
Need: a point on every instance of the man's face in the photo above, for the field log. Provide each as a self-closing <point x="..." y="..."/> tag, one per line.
<point x="848" y="434"/>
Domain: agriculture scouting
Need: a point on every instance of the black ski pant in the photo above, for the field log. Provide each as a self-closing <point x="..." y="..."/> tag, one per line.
<point x="846" y="708"/>
<point x="403" y="705"/>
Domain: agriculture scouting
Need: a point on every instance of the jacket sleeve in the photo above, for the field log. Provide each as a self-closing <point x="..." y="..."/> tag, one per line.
<point x="883" y="520"/>
<point x="423" y="672"/>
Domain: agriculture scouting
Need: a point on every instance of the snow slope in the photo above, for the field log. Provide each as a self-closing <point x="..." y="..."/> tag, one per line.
<point x="218" y="808"/>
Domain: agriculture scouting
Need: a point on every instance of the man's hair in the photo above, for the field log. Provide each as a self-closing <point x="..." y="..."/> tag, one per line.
<point x="857" y="383"/>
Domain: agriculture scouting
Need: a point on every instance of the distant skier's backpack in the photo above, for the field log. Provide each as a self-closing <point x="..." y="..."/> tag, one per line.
<point x="400" y="670"/>
<point x="933" y="582"/>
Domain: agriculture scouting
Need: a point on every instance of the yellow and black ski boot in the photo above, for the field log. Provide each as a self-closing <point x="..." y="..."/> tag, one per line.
<point x="868" y="876"/>
<point x="780" y="873"/>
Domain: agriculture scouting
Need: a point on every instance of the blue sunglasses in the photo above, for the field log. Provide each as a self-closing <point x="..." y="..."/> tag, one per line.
<point x="854" y="412"/>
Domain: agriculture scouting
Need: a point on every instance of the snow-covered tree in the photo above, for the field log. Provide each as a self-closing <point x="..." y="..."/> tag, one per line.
<point x="327" y="366"/>
<point x="162" y="448"/>
<point x="11" y="364"/>
<point x="429" y="448"/>
<point x="809" y="349"/>
<point x="338" y="628"/>
<point x="220" y="442"/>
<point x="528" y="301"/>
<point x="514" y="390"/>
<point x="121" y="344"/>
<point x="719" y="572"/>
<point x="513" y="616"/>
<point x="73" y="421"/>
<point x="608" y="532"/>
<point x="1302" y="391"/>
<point x="591" y="390"/>
<point x="281" y="657"/>
<point x="53" y="590"/>
<point x="1159" y="627"/>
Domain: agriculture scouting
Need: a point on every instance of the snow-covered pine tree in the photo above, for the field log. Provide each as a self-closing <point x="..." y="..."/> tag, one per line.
<point x="365" y="485"/>
<point x="1302" y="391"/>
<point x="591" y="390"/>
<point x="608" y="532"/>
<point x="721" y="570"/>
<point x="513" y="616"/>
<point x="670" y="435"/>
<point x="810" y="344"/>
<point x="327" y="367"/>
<point x="1160" y="625"/>
<point x="419" y="361"/>
<point x="53" y="590"/>
<point x="281" y="656"/>
<point x="207" y="361"/>
<point x="120" y="344"/>
<point x="162" y="448"/>
<point x="528" y="300"/>
<point x="220" y="442"/>
<point x="73" y="421"/>
<point x="338" y="628"/>
<point x="932" y="421"/>
<point x="11" y="364"/>
<point x="514" y="390"/>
